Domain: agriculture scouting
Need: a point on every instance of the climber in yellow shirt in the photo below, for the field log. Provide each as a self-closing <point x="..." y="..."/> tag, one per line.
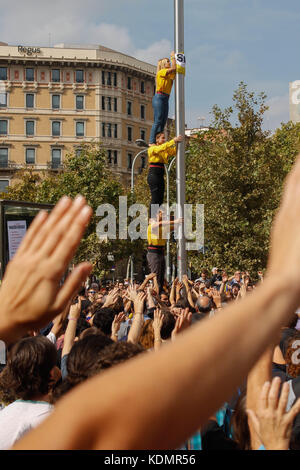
<point x="157" y="232"/>
<point x="157" y="156"/>
<point x="160" y="102"/>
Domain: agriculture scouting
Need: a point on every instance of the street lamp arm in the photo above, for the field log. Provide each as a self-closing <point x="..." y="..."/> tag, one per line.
<point x="132" y="167"/>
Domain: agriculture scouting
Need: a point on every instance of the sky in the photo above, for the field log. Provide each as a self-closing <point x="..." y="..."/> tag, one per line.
<point x="226" y="41"/>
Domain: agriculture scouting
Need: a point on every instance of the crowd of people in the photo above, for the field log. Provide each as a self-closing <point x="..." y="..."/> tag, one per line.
<point x="206" y="364"/>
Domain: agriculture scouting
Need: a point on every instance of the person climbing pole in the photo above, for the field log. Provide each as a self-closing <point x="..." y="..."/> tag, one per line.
<point x="157" y="232"/>
<point x="165" y="75"/>
<point x="157" y="156"/>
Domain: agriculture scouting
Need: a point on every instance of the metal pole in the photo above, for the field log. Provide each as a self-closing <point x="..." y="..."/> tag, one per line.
<point x="168" y="169"/>
<point x="132" y="188"/>
<point x="180" y="129"/>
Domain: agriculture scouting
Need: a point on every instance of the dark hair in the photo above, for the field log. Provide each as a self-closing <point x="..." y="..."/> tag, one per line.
<point x="81" y="325"/>
<point x="92" y="354"/>
<point x="239" y="422"/>
<point x="27" y="372"/>
<point x="81" y="291"/>
<point x="167" y="326"/>
<point x="293" y="321"/>
<point x="103" y="319"/>
<point x="292" y="368"/>
<point x="146" y="339"/>
<point x="182" y="303"/>
<point x="157" y="134"/>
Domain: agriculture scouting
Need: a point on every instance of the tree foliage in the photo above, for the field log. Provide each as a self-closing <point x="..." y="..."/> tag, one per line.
<point x="86" y="174"/>
<point x="237" y="170"/>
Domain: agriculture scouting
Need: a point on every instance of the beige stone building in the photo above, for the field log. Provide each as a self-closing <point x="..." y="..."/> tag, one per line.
<point x="54" y="98"/>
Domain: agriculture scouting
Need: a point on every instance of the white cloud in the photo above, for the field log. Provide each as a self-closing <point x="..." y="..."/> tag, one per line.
<point x="155" y="51"/>
<point x="278" y="112"/>
<point x="73" y="22"/>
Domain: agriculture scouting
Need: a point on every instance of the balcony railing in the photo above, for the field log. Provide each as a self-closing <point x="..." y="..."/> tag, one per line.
<point x="55" y="166"/>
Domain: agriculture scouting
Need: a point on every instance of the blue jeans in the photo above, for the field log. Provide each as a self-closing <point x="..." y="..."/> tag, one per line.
<point x="160" y="104"/>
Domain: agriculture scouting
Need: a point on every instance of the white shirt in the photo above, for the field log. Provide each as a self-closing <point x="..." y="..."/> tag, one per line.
<point x="20" y="417"/>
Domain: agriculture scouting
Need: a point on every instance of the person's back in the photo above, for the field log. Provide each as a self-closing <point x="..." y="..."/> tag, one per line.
<point x="25" y="387"/>
<point x="20" y="417"/>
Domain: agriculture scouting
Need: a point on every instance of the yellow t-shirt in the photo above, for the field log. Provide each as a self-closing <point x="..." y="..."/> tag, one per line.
<point x="164" y="81"/>
<point x="154" y="236"/>
<point x="161" y="153"/>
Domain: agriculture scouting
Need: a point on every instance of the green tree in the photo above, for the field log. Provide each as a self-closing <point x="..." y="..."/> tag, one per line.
<point x="86" y="174"/>
<point x="236" y="170"/>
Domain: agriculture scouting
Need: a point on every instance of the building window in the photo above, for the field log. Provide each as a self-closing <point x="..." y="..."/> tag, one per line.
<point x="56" y="128"/>
<point x="142" y="87"/>
<point x="29" y="128"/>
<point x="29" y="75"/>
<point x="3" y="127"/>
<point x="129" y="161"/>
<point x="3" y="100"/>
<point x="115" y="78"/>
<point x="103" y="103"/>
<point x="103" y="77"/>
<point x="56" y="158"/>
<point x="3" y="157"/>
<point x="129" y="108"/>
<point x="115" y="131"/>
<point x="79" y="129"/>
<point x="29" y="100"/>
<point x="30" y="156"/>
<point x="108" y="103"/>
<point x="3" y="73"/>
<point x="4" y="184"/>
<point x="103" y="129"/>
<point x="55" y="73"/>
<point x="115" y="157"/>
<point x="79" y="101"/>
<point x="143" y="134"/>
<point x="79" y="76"/>
<point x="109" y="157"/>
<point x="109" y="78"/>
<point x="129" y="134"/>
<point x="109" y="129"/>
<point x="115" y="105"/>
<point x="129" y="83"/>
<point x="55" y="101"/>
<point x="142" y="111"/>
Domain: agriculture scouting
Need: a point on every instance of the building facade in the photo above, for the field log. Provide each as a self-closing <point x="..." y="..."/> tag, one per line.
<point x="54" y="99"/>
<point x="295" y="101"/>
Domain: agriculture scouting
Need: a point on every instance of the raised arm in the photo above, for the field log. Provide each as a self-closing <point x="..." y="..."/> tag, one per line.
<point x="74" y="314"/>
<point x="138" y="319"/>
<point x="258" y="375"/>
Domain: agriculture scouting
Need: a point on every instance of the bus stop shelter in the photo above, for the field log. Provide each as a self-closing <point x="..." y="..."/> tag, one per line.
<point x="15" y="218"/>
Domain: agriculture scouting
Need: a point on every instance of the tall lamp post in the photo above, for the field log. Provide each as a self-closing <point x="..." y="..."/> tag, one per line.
<point x="140" y="143"/>
<point x="180" y="130"/>
<point x="167" y="170"/>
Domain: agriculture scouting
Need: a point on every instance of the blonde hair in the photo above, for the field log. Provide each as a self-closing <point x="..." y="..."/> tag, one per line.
<point x="162" y="64"/>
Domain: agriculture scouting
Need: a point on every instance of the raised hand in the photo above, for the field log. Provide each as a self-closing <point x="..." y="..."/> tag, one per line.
<point x="31" y="294"/>
<point x="118" y="319"/>
<point x="271" y="422"/>
<point x="75" y="310"/>
<point x="139" y="303"/>
<point x="158" y="319"/>
<point x="112" y="297"/>
<point x="217" y="298"/>
<point x="182" y="322"/>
